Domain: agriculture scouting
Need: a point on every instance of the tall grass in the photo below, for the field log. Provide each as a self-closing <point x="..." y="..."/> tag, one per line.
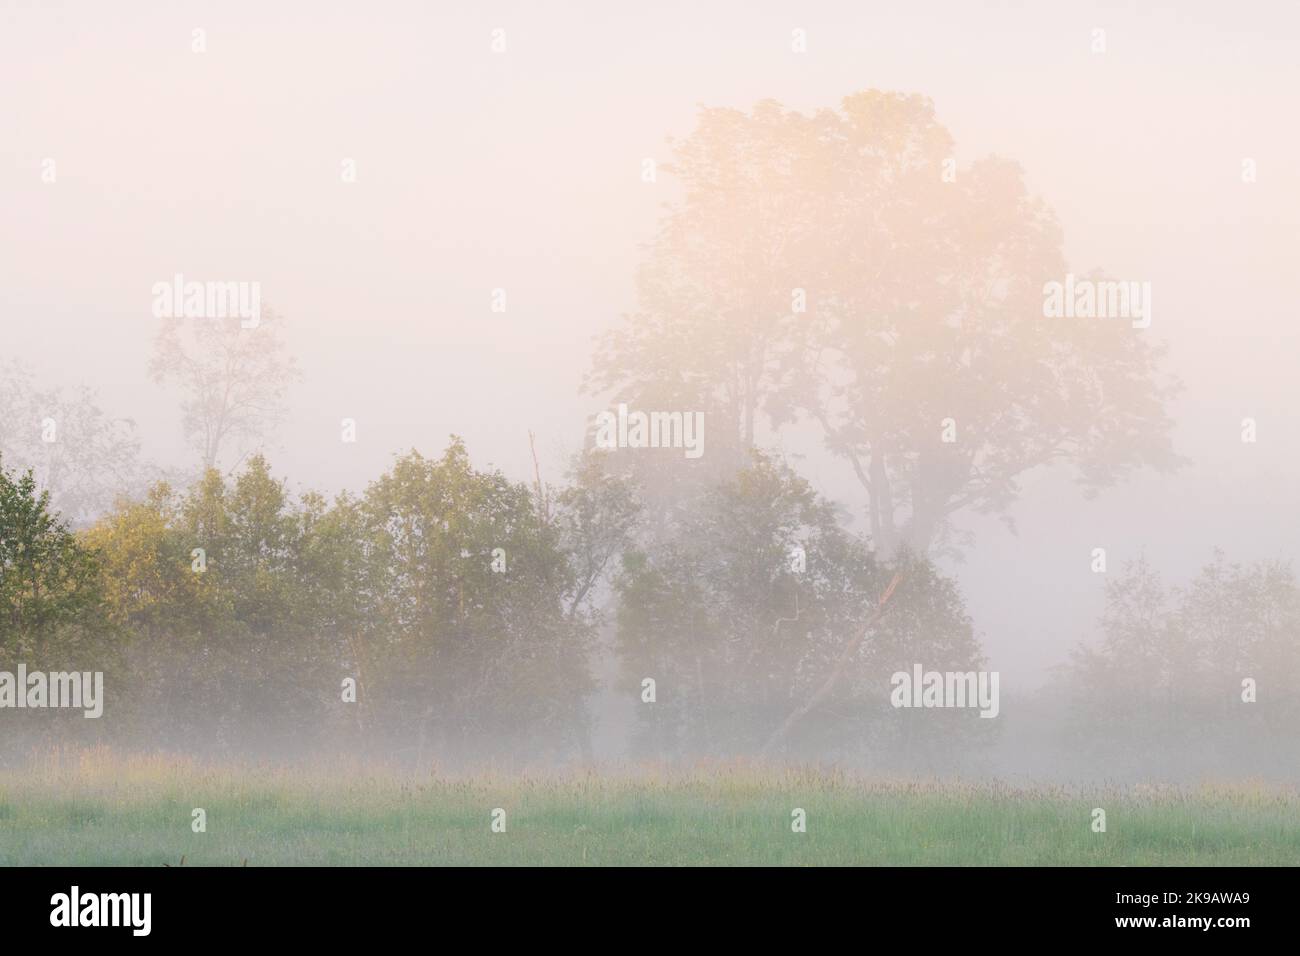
<point x="97" y="807"/>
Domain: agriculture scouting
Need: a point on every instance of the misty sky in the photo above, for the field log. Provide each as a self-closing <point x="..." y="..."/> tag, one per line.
<point x="522" y="171"/>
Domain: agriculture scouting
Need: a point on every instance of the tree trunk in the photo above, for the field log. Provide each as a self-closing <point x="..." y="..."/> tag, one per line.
<point x="824" y="691"/>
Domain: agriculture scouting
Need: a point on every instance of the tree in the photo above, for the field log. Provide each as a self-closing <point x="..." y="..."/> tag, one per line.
<point x="1163" y="688"/>
<point x="471" y="635"/>
<point x="923" y="354"/>
<point x="234" y="379"/>
<point x="82" y="456"/>
<point x="169" y="622"/>
<point x="49" y="595"/>
<point x="596" y="516"/>
<point x="224" y="622"/>
<point x="744" y="614"/>
<point x="1139" y="683"/>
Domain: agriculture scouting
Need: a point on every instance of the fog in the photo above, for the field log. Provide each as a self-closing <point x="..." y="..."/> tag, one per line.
<point x="524" y="171"/>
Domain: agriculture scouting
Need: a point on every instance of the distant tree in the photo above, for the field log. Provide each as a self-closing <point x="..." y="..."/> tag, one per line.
<point x="82" y="456"/>
<point x="234" y="379"/>
<point x="13" y="407"/>
<point x="1139" y="681"/>
<point x="1161" y="689"/>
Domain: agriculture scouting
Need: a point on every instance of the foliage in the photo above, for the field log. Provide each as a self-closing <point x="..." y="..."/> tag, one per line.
<point x="743" y="614"/>
<point x="1164" y="684"/>
<point x="924" y="302"/>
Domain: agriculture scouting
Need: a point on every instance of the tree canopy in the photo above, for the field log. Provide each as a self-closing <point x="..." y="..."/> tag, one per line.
<point x="839" y="268"/>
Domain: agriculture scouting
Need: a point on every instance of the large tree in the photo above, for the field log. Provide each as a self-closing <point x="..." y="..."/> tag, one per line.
<point x="836" y="267"/>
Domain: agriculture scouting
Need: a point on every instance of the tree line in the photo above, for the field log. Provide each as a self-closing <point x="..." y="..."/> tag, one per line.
<point x="448" y="613"/>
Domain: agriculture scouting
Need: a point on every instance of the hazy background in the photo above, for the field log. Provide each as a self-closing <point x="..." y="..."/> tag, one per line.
<point x="522" y="171"/>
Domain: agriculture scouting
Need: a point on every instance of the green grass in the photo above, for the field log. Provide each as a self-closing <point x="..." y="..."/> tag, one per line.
<point x="97" y="809"/>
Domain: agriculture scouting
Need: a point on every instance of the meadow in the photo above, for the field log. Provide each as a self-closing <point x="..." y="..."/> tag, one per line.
<point x="97" y="808"/>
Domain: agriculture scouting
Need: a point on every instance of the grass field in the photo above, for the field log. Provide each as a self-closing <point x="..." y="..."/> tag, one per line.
<point x="99" y="809"/>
